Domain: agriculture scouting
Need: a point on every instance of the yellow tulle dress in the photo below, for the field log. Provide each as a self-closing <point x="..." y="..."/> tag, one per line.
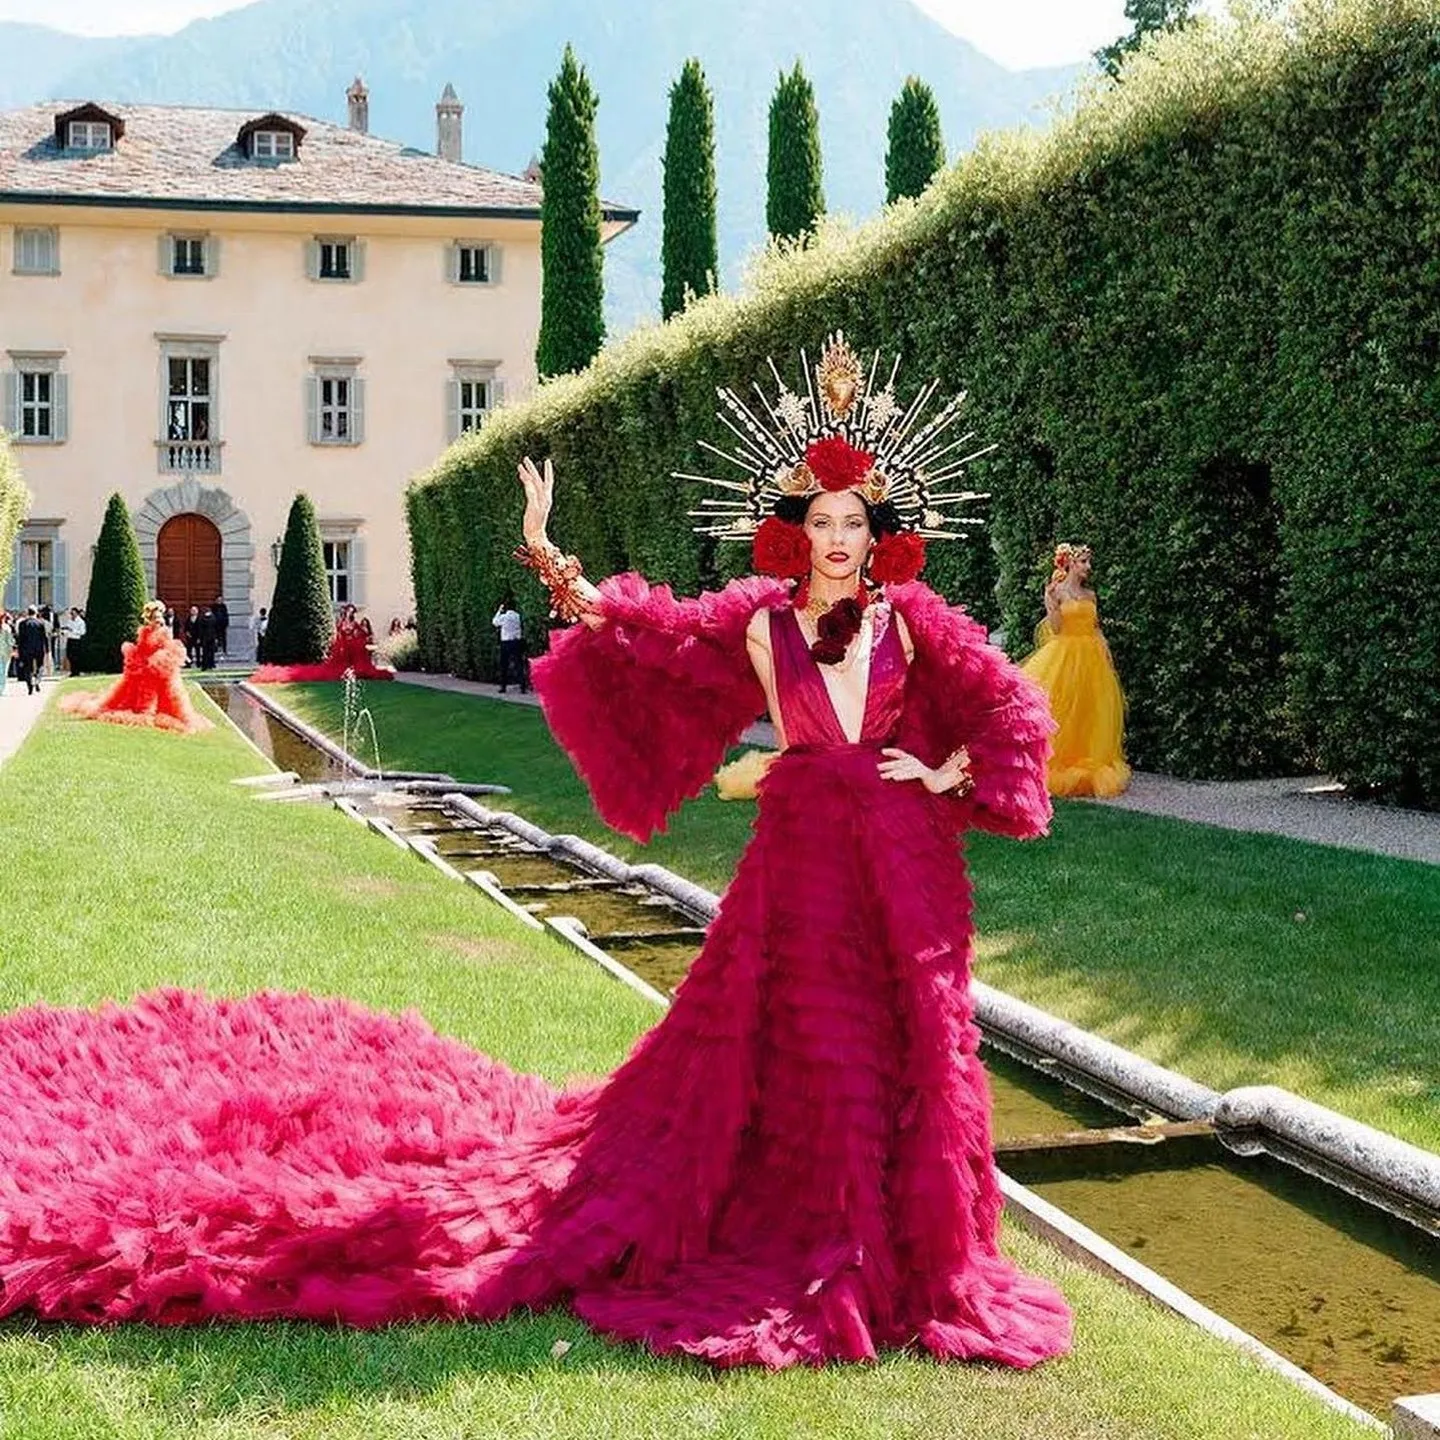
<point x="1075" y="670"/>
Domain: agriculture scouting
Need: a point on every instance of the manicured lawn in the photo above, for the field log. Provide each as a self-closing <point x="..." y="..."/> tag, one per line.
<point x="1180" y="941"/>
<point x="132" y="862"/>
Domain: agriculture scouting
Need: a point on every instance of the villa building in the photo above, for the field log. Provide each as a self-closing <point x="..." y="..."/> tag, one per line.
<point x="210" y="310"/>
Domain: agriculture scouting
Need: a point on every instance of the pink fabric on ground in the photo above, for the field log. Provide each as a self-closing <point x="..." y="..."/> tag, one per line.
<point x="793" y="1166"/>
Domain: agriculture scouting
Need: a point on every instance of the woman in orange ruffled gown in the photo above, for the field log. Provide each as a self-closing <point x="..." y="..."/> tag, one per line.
<point x="150" y="691"/>
<point x="1072" y="665"/>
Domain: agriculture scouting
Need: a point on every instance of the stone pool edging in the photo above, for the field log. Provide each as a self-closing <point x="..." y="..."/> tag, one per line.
<point x="1301" y="1131"/>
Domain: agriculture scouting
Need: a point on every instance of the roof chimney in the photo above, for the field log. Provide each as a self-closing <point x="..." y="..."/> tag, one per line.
<point x="358" y="98"/>
<point x="447" y="125"/>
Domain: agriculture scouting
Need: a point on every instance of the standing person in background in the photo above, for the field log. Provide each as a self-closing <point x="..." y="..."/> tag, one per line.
<point x="73" y="628"/>
<point x="209" y="634"/>
<point x="32" y="644"/>
<point x="262" y="624"/>
<point x="192" y="636"/>
<point x="7" y="647"/>
<point x="1072" y="665"/>
<point x="172" y="620"/>
<point x="512" y="644"/>
<point x="48" y="660"/>
<point x="221" y="611"/>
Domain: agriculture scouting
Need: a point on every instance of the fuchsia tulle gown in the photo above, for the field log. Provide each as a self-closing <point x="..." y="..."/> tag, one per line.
<point x="794" y="1165"/>
<point x="350" y="651"/>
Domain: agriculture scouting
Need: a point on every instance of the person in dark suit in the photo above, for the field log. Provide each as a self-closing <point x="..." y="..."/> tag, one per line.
<point x="208" y="634"/>
<point x="32" y="643"/>
<point x="221" y="611"/>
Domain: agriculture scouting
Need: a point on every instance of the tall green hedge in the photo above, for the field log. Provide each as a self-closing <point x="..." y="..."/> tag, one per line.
<point x="14" y="505"/>
<point x="117" y="592"/>
<point x="1200" y="316"/>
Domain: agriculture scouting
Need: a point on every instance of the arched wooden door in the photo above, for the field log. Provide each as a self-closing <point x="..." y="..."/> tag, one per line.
<point x="187" y="562"/>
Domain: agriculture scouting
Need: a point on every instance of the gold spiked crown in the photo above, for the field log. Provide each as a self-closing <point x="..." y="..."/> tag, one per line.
<point x="843" y="433"/>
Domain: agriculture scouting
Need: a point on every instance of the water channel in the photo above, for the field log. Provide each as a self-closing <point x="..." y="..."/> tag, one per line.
<point x="1345" y="1290"/>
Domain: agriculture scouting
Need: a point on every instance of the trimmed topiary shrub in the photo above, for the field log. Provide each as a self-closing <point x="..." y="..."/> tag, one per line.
<point x="1200" y="317"/>
<point x="117" y="592"/>
<point x="302" y="620"/>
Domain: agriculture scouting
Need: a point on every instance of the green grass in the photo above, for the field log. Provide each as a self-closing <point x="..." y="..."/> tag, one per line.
<point x="1179" y="941"/>
<point x="131" y="862"/>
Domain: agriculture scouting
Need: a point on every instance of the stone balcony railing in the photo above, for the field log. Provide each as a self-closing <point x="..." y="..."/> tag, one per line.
<point x="188" y="457"/>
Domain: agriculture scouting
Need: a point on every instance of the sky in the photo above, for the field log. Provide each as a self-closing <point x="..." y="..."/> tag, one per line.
<point x="1017" y="33"/>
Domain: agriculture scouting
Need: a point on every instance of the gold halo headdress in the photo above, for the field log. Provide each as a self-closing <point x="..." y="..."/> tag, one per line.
<point x="843" y="433"/>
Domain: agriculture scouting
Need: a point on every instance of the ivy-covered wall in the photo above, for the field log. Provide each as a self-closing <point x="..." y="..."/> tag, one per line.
<point x="1201" y="316"/>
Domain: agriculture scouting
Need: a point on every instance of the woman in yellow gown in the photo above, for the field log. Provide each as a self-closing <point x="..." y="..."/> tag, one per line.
<point x="1072" y="665"/>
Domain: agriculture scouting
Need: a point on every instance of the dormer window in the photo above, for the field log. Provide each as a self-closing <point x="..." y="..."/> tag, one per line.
<point x="88" y="135"/>
<point x="88" y="129"/>
<point x="270" y="137"/>
<point x="272" y="145"/>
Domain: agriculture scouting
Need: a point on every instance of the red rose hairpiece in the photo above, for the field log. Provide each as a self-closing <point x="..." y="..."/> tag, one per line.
<point x="837" y="464"/>
<point x="897" y="559"/>
<point x="781" y="549"/>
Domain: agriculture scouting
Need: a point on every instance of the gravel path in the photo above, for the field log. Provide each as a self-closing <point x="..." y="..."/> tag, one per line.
<point x="1308" y="808"/>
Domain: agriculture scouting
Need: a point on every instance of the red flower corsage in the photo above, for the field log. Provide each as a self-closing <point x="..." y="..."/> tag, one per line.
<point x="837" y="464"/>
<point x="897" y="559"/>
<point x="782" y="549"/>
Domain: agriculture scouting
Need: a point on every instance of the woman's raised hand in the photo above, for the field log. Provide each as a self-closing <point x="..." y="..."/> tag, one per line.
<point x="539" y="496"/>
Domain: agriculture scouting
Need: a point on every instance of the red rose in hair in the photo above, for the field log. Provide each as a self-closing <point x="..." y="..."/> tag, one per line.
<point x="781" y="549"/>
<point x="897" y="558"/>
<point x="837" y="464"/>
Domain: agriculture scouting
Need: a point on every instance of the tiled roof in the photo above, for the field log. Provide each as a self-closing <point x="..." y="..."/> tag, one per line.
<point x="182" y="155"/>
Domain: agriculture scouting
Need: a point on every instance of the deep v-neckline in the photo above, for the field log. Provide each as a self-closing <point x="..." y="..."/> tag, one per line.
<point x="870" y="645"/>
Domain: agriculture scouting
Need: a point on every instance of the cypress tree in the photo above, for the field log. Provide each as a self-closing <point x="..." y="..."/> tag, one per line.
<point x="117" y="590"/>
<point x="572" y="293"/>
<point x="917" y="148"/>
<point x="690" y="248"/>
<point x="796" y="198"/>
<point x="1146" y="17"/>
<point x="302" y="623"/>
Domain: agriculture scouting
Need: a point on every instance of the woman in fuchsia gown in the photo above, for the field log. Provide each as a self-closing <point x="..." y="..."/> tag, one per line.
<point x="793" y="1165"/>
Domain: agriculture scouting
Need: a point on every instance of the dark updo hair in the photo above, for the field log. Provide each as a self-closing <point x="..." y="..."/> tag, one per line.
<point x="884" y="518"/>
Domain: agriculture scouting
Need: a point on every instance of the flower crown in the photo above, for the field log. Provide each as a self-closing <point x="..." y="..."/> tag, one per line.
<point x="843" y="434"/>
<point x="1067" y="554"/>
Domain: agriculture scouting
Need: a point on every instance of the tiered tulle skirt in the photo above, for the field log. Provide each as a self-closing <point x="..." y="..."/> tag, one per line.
<point x="794" y="1165"/>
<point x="1078" y="675"/>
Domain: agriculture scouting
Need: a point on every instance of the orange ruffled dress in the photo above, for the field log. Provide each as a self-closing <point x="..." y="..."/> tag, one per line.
<point x="1075" y="670"/>
<point x="150" y="692"/>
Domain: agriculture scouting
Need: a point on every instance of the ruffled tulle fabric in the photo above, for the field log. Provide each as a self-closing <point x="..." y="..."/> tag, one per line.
<point x="794" y="1166"/>
<point x="350" y="653"/>
<point x="1075" y="670"/>
<point x="662" y="690"/>
<point x="149" y="693"/>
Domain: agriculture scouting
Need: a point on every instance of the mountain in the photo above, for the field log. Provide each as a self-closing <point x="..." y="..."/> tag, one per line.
<point x="34" y="60"/>
<point x="501" y="55"/>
